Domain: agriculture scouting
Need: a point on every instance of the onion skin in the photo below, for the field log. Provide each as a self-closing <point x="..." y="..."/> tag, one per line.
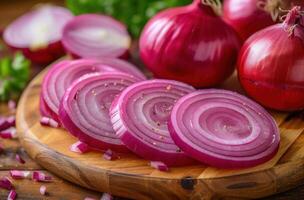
<point x="49" y="51"/>
<point x="247" y="18"/>
<point x="223" y="129"/>
<point x="109" y="83"/>
<point x="189" y="44"/>
<point x="270" y="67"/>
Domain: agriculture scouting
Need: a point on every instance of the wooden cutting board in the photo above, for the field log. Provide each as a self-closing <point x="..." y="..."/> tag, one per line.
<point x="132" y="177"/>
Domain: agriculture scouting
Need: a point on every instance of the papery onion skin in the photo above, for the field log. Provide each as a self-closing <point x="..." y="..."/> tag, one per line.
<point x="51" y="49"/>
<point x="223" y="129"/>
<point x="139" y="116"/>
<point x="271" y="68"/>
<point x="86" y="47"/>
<point x="246" y="17"/>
<point x="64" y="73"/>
<point x="189" y="44"/>
<point x="92" y="125"/>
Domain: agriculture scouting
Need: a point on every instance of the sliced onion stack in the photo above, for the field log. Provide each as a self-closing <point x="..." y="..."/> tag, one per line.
<point x="224" y="129"/>
<point x="96" y="36"/>
<point x="84" y="110"/>
<point x="38" y="33"/>
<point x="64" y="73"/>
<point x="140" y="115"/>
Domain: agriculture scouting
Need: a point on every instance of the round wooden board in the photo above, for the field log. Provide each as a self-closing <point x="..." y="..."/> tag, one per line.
<point x="132" y="177"/>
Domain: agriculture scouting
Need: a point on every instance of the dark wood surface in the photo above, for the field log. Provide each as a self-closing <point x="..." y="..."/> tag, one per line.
<point x="59" y="189"/>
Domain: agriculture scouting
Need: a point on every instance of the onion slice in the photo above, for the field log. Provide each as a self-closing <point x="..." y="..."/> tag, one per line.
<point x="84" y="110"/>
<point x="64" y="73"/>
<point x="38" y="33"/>
<point x="140" y="115"/>
<point x="224" y="129"/>
<point x="96" y="36"/>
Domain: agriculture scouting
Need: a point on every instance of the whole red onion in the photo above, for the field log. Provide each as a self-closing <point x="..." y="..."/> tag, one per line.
<point x="250" y="16"/>
<point x="190" y="44"/>
<point x="271" y="64"/>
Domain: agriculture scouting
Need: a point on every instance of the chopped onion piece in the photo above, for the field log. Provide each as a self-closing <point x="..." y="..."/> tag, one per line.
<point x="106" y="196"/>
<point x="7" y="122"/>
<point x="64" y="73"/>
<point x="11" y="105"/>
<point x="140" y="115"/>
<point x="45" y="121"/>
<point x="12" y="195"/>
<point x="89" y="198"/>
<point x="41" y="177"/>
<point x="224" y="129"/>
<point x="42" y="190"/>
<point x="20" y="159"/>
<point x="84" y="110"/>
<point x="96" y="36"/>
<point x="79" y="147"/>
<point x="6" y="183"/>
<point x="159" y="166"/>
<point x="17" y="174"/>
<point x="9" y="133"/>
<point x="110" y="155"/>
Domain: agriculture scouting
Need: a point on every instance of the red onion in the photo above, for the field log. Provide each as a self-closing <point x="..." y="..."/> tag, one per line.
<point x="159" y="166"/>
<point x="64" y="73"/>
<point x="42" y="190"/>
<point x="6" y="183"/>
<point x="271" y="64"/>
<point x="250" y="16"/>
<point x="140" y="114"/>
<point x="41" y="177"/>
<point x="38" y="33"/>
<point x="17" y="174"/>
<point x="20" y="159"/>
<point x="7" y="122"/>
<point x="79" y="147"/>
<point x="224" y="129"/>
<point x="106" y="196"/>
<point x="96" y="36"/>
<point x="110" y="155"/>
<point x="9" y="133"/>
<point x="11" y="105"/>
<point x="89" y="198"/>
<point x="12" y="195"/>
<point x="45" y="121"/>
<point x="84" y="110"/>
<point x="189" y="44"/>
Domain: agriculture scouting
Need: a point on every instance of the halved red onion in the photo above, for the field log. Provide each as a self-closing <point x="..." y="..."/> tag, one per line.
<point x="96" y="36"/>
<point x="38" y="33"/>
<point x="84" y="109"/>
<point x="224" y="129"/>
<point x="140" y="115"/>
<point x="64" y="73"/>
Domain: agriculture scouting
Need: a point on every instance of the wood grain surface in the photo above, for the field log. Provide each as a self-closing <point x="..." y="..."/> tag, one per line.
<point x="132" y="177"/>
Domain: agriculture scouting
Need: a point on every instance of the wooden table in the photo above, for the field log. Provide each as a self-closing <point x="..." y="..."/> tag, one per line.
<point x="58" y="189"/>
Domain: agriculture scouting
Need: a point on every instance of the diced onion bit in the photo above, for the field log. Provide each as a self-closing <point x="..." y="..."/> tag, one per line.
<point x="41" y="177"/>
<point x="18" y="174"/>
<point x="89" y="198"/>
<point x="224" y="129"/>
<point x="20" y="159"/>
<point x="159" y="166"/>
<point x="79" y="147"/>
<point x="6" y="183"/>
<point x="9" y="133"/>
<point x="96" y="36"/>
<point x="11" y="105"/>
<point x="12" y="195"/>
<point x="106" y="196"/>
<point x="140" y="115"/>
<point x="7" y="122"/>
<point x="46" y="121"/>
<point x="110" y="155"/>
<point x="42" y="190"/>
<point x="64" y="73"/>
<point x="92" y="96"/>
